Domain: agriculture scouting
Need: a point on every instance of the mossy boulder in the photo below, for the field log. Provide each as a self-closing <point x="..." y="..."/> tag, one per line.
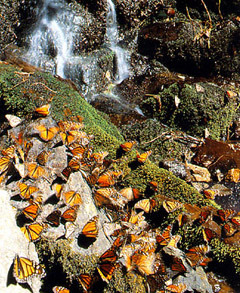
<point x="193" y="107"/>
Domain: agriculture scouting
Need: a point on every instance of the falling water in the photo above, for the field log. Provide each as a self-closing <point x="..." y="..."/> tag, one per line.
<point x="52" y="37"/>
<point x="112" y="39"/>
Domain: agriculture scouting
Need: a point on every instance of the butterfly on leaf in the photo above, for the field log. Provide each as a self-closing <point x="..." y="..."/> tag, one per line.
<point x="32" y="231"/>
<point x="47" y="134"/>
<point x="43" y="110"/>
<point x="24" y="269"/>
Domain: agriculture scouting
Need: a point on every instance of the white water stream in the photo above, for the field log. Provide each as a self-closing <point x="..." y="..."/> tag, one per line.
<point x="52" y="36"/>
<point x="112" y="39"/>
<point x="51" y="42"/>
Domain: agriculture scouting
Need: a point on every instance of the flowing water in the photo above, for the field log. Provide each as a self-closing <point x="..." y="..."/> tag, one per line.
<point x="51" y="42"/>
<point x="112" y="40"/>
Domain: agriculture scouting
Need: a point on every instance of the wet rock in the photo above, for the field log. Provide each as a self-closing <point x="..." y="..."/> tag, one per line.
<point x="183" y="47"/>
<point x="199" y="173"/>
<point x="196" y="280"/>
<point x="13" y="242"/>
<point x="177" y="168"/>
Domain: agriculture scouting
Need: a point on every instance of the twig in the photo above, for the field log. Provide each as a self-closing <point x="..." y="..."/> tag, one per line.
<point x="219" y="9"/>
<point x="36" y="83"/>
<point x="209" y="16"/>
<point x="155" y="138"/>
<point x="16" y="85"/>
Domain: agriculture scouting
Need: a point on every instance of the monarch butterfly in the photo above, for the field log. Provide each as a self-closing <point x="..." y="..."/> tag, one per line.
<point x="108" y="178"/>
<point x="74" y="164"/>
<point x="178" y="265"/>
<point x="174" y="241"/>
<point x="146" y="205"/>
<point x="26" y="190"/>
<point x="67" y="172"/>
<point x="47" y="133"/>
<point x="127" y="193"/>
<point x="70" y="214"/>
<point x="54" y="218"/>
<point x="99" y="157"/>
<point x="60" y="289"/>
<point x="32" y="231"/>
<point x="208" y="234"/>
<point x="165" y="237"/>
<point x="196" y="254"/>
<point x="43" y="110"/>
<point x="180" y="288"/>
<point x="143" y="157"/>
<point x="229" y="229"/>
<point x="210" y="194"/>
<point x="128" y="145"/>
<point x="171" y="206"/>
<point x="85" y="280"/>
<point x="58" y="188"/>
<point x="90" y="229"/>
<point x="225" y="214"/>
<point x="35" y="171"/>
<point x="77" y="150"/>
<point x="5" y="163"/>
<point x="24" y="269"/>
<point x="102" y="196"/>
<point x="42" y="158"/>
<point x="9" y="152"/>
<point x="236" y="220"/>
<point x="72" y="198"/>
<point x="106" y="270"/>
<point x="144" y="263"/>
<point x="109" y="255"/>
<point x="31" y="211"/>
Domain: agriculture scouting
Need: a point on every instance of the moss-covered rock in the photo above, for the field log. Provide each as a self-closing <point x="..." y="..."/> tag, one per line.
<point x="193" y="107"/>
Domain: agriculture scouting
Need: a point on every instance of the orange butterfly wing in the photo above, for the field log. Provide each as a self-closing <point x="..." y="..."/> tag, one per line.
<point x="26" y="190"/>
<point x="47" y="133"/>
<point x="70" y="214"/>
<point x="43" y="110"/>
<point x="35" y="171"/>
<point x="32" y="231"/>
<point x="60" y="289"/>
<point x="31" y="211"/>
<point x="85" y="280"/>
<point x="72" y="198"/>
<point x="90" y="229"/>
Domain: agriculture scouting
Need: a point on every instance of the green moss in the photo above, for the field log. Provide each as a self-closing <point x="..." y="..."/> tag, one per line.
<point x="225" y="252"/>
<point x="201" y="105"/>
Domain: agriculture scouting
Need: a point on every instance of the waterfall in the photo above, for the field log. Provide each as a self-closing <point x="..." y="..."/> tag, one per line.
<point x="52" y="36"/>
<point x="112" y="39"/>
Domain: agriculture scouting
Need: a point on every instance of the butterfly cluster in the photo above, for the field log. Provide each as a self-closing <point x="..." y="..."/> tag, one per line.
<point x="138" y="246"/>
